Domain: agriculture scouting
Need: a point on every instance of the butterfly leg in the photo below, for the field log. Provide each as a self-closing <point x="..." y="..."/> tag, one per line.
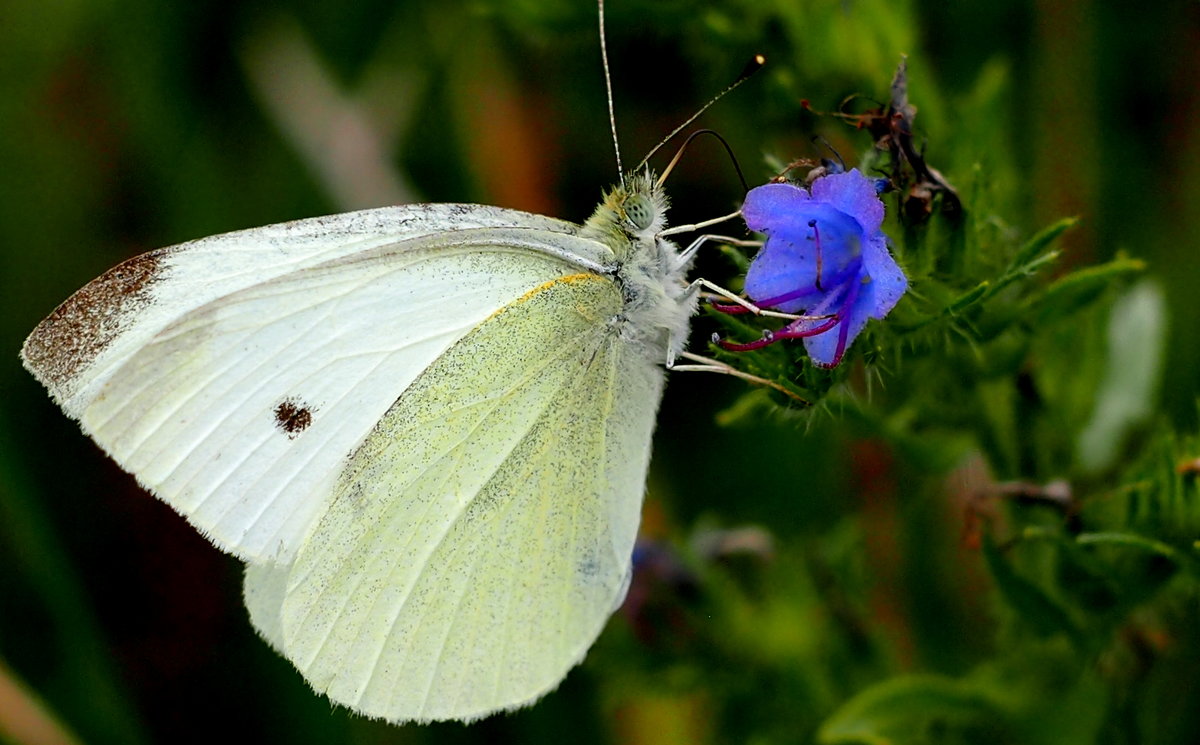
<point x="737" y="299"/>
<point x="699" y="225"/>
<point x="707" y="364"/>
<point x="686" y="256"/>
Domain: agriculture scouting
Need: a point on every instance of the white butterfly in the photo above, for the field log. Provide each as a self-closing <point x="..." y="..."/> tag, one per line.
<point x="425" y="429"/>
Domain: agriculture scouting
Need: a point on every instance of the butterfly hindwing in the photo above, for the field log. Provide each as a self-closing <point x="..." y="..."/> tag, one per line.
<point x="481" y="534"/>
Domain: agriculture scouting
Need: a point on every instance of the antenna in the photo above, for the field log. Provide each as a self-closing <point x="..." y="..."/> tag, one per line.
<point x="679" y="154"/>
<point x="754" y="65"/>
<point x="612" y="118"/>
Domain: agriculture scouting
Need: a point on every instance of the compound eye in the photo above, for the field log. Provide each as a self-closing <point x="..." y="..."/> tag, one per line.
<point x="639" y="211"/>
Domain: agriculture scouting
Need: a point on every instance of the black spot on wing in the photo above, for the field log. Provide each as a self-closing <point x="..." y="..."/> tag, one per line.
<point x="293" y="416"/>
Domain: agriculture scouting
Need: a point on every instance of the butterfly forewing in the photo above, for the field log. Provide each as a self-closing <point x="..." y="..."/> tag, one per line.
<point x="75" y="350"/>
<point x="467" y="569"/>
<point x="240" y="410"/>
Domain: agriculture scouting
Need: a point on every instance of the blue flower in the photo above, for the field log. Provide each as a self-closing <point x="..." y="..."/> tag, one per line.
<point x="825" y="257"/>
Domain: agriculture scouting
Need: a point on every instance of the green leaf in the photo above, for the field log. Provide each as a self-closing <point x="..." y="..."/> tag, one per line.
<point x="1077" y="289"/>
<point x="967" y="299"/>
<point x="1149" y="545"/>
<point x="918" y="709"/>
<point x="1039" y="242"/>
<point x="1019" y="271"/>
<point x="1036" y="608"/>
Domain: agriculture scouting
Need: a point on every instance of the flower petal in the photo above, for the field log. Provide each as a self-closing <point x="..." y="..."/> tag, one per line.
<point x="825" y="253"/>
<point x="782" y="267"/>
<point x="887" y="281"/>
<point x="852" y="193"/>
<point x="771" y="206"/>
<point x="882" y="285"/>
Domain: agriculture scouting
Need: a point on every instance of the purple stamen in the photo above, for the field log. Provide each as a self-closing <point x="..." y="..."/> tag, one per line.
<point x="771" y="302"/>
<point x="747" y="347"/>
<point x="775" y="302"/>
<point x="731" y="308"/>
<point x="787" y="332"/>
<point x="847" y="306"/>
<point x="817" y="240"/>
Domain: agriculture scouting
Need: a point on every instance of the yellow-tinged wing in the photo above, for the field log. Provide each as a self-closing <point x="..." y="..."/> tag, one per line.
<point x="481" y="535"/>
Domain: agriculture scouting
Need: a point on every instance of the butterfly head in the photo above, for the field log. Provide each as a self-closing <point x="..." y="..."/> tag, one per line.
<point x="634" y="211"/>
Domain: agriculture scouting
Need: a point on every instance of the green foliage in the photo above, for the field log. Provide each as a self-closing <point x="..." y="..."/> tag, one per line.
<point x="1050" y="372"/>
<point x="918" y="709"/>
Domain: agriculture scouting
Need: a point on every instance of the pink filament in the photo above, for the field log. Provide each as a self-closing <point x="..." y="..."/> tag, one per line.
<point x="787" y="332"/>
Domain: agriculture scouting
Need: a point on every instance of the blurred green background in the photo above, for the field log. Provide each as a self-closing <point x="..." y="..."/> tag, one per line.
<point x="791" y="563"/>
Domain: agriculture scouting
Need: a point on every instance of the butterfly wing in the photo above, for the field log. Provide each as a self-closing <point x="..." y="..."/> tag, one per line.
<point x="481" y="535"/>
<point x="234" y="375"/>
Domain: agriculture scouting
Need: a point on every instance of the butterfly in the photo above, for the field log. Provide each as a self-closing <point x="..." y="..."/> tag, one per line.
<point x="425" y="429"/>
